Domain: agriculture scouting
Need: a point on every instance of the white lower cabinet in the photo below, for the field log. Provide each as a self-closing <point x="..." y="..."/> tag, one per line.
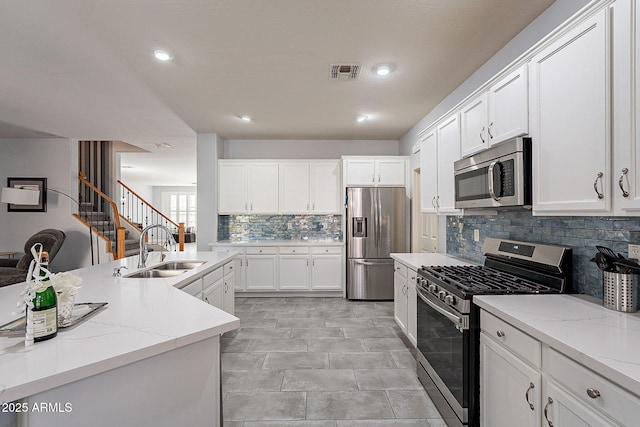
<point x="213" y="288"/>
<point x="228" y="293"/>
<point x="287" y="268"/>
<point x="261" y="271"/>
<point x="405" y="300"/>
<point x="510" y="389"/>
<point x="526" y="382"/>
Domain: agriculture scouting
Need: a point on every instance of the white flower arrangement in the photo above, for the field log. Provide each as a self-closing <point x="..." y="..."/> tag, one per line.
<point x="66" y="286"/>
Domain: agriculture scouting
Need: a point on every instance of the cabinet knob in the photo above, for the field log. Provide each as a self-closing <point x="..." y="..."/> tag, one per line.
<point x="294" y="251"/>
<point x="500" y="334"/>
<point x="593" y="393"/>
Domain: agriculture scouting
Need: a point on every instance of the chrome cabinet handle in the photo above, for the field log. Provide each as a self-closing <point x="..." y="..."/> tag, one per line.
<point x="489" y="130"/>
<point x="433" y="201"/>
<point x="546" y="407"/>
<point x="526" y="395"/>
<point x="373" y="178"/>
<point x="625" y="193"/>
<point x="378" y="177"/>
<point x="492" y="191"/>
<point x="437" y="201"/>
<point x="593" y="393"/>
<point x="246" y="207"/>
<point x="482" y="130"/>
<point x="595" y="186"/>
<point x="500" y="333"/>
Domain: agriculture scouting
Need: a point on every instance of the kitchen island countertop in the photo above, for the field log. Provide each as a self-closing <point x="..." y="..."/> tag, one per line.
<point x="144" y="318"/>
<point x="272" y="242"/>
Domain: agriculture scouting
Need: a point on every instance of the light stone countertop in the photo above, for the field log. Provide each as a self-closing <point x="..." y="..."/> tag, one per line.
<point x="144" y="317"/>
<point x="606" y="341"/>
<point x="417" y="260"/>
<point x="283" y="242"/>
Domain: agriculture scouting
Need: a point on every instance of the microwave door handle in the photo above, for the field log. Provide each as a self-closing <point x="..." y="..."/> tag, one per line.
<point x="492" y="191"/>
<point x="455" y="319"/>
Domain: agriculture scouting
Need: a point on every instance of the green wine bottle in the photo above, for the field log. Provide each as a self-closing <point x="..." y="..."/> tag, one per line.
<point x="44" y="314"/>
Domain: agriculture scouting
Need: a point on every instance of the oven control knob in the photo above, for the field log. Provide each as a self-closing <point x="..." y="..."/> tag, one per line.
<point x="441" y="295"/>
<point x="450" y="299"/>
<point x="432" y="288"/>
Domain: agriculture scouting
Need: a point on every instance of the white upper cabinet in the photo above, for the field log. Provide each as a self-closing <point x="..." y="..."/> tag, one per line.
<point x="294" y="187"/>
<point x="474" y="116"/>
<point x="509" y="107"/>
<point x="376" y="172"/>
<point x="495" y="115"/>
<point x="286" y="187"/>
<point x="233" y="188"/>
<point x="429" y="172"/>
<point x="440" y="148"/>
<point x="263" y="188"/>
<point x="448" y="152"/>
<point x="325" y="187"/>
<point x="570" y="120"/>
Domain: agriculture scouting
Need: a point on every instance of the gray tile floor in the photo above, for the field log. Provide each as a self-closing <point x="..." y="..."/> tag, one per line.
<point x="320" y="362"/>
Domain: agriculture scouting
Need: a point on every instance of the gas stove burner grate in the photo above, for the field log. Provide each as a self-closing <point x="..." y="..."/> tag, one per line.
<point x="479" y="279"/>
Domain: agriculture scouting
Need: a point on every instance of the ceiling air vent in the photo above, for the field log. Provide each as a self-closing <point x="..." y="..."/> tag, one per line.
<point x="344" y="71"/>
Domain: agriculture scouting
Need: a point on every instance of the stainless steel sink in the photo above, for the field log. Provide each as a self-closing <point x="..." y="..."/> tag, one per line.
<point x="153" y="273"/>
<point x="178" y="265"/>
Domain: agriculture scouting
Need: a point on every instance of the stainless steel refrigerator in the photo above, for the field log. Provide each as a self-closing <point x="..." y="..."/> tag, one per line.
<point x="376" y="227"/>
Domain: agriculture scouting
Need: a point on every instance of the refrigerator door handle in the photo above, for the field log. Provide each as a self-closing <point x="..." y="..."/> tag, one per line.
<point x="359" y="262"/>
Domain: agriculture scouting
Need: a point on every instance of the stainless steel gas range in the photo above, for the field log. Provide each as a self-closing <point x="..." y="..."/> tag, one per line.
<point x="449" y="322"/>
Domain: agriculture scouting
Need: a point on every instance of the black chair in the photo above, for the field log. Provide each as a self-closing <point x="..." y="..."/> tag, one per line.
<point x="15" y="270"/>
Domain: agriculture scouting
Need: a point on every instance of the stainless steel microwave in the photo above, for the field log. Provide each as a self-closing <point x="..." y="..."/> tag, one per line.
<point x="499" y="177"/>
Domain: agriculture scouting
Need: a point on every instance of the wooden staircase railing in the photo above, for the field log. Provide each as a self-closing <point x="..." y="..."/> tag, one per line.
<point x="100" y="213"/>
<point x="140" y="213"/>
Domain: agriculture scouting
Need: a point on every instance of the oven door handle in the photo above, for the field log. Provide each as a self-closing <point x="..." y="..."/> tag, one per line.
<point x="455" y="319"/>
<point x="492" y="190"/>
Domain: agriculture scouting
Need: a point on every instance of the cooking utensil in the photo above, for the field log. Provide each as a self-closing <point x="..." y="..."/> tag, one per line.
<point x="626" y="266"/>
<point x="603" y="262"/>
<point x="608" y="252"/>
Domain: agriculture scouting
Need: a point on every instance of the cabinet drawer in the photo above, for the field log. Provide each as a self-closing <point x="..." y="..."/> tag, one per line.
<point x="524" y="346"/>
<point x="211" y="278"/>
<point x="401" y="269"/>
<point x="609" y="398"/>
<point x="266" y="250"/>
<point x="326" y="250"/>
<point x="227" y="268"/>
<point x="294" y="250"/>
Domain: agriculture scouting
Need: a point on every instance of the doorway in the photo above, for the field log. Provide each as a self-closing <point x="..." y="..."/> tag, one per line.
<point x="424" y="230"/>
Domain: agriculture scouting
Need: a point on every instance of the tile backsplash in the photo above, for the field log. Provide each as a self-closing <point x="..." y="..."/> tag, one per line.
<point x="580" y="233"/>
<point x="280" y="227"/>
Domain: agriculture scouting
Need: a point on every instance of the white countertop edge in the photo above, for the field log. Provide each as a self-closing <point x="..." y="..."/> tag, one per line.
<point x="276" y="243"/>
<point x="599" y="364"/>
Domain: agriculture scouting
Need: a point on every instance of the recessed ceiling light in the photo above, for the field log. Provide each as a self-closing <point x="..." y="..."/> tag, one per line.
<point x="126" y="167"/>
<point x="245" y="118"/>
<point x="163" y="145"/>
<point x="162" y="55"/>
<point x="382" y="69"/>
<point x="361" y="118"/>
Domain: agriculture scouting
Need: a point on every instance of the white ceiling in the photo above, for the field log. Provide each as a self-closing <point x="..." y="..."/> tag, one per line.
<point x="83" y="69"/>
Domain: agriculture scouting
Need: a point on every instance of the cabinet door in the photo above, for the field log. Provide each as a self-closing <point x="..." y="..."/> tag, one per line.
<point x="240" y="271"/>
<point x="429" y="172"/>
<point x="473" y="121"/>
<point x="228" y="297"/>
<point x="326" y="272"/>
<point x="412" y="308"/>
<point x="400" y="301"/>
<point x="261" y="272"/>
<point x="508" y="386"/>
<point x="325" y="188"/>
<point x="294" y="272"/>
<point x="294" y="188"/>
<point x="360" y="172"/>
<point x="448" y="152"/>
<point x="570" y="120"/>
<point x="233" y="188"/>
<point x="214" y="294"/>
<point x="508" y="107"/>
<point x="263" y="188"/>
<point x="390" y="172"/>
<point x="563" y="409"/>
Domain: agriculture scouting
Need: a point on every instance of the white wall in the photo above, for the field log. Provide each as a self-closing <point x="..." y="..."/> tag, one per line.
<point x="307" y="149"/>
<point x="555" y="15"/>
<point x="210" y="149"/>
<point x="56" y="160"/>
